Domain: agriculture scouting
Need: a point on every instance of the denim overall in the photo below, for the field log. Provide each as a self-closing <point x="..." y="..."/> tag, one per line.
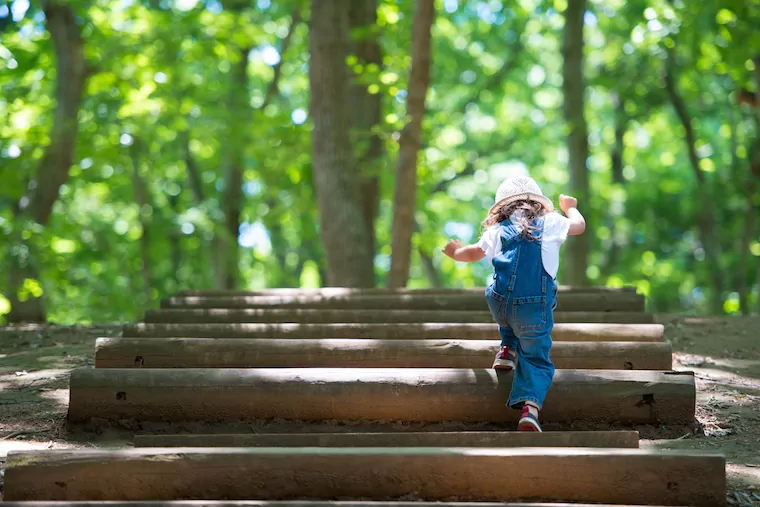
<point x="522" y="298"/>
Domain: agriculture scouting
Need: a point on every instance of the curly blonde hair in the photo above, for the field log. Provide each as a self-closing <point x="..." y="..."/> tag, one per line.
<point x="530" y="211"/>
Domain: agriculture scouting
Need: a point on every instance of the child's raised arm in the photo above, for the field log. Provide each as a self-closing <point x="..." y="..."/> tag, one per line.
<point x="469" y="253"/>
<point x="570" y="206"/>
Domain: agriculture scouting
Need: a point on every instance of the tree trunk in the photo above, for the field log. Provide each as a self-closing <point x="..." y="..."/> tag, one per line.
<point x="616" y="165"/>
<point x="745" y="184"/>
<point x="344" y="234"/>
<point x="404" y="204"/>
<point x="752" y="173"/>
<point x="366" y="109"/>
<point x="193" y="174"/>
<point x="429" y="268"/>
<point x="707" y="231"/>
<point x="140" y="191"/>
<point x="616" y="155"/>
<point x="227" y="248"/>
<point x="53" y="168"/>
<point x="175" y="242"/>
<point x="577" y="138"/>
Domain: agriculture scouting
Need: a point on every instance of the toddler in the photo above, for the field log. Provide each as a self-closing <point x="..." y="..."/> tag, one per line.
<point x="522" y="235"/>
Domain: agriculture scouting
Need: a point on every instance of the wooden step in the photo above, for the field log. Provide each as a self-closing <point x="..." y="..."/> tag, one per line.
<point x="561" y="332"/>
<point x="632" y="476"/>
<point x="347" y="291"/>
<point x="293" y="503"/>
<point x="326" y="316"/>
<point x="567" y="302"/>
<point x="597" y="439"/>
<point x="357" y="353"/>
<point x="399" y="394"/>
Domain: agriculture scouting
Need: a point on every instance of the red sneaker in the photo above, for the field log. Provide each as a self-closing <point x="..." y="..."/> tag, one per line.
<point x="505" y="359"/>
<point x="528" y="422"/>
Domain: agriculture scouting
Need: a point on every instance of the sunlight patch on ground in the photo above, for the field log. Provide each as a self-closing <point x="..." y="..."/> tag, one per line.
<point x="22" y="445"/>
<point x="749" y="475"/>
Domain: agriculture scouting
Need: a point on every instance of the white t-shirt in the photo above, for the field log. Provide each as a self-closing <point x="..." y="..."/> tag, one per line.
<point x="554" y="234"/>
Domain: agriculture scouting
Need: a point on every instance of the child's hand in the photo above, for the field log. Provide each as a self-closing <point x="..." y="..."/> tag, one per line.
<point x="451" y="247"/>
<point x="566" y="202"/>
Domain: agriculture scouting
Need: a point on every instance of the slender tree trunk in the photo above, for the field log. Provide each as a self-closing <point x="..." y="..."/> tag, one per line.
<point x="344" y="233"/>
<point x="193" y="173"/>
<point x="429" y="268"/>
<point x="200" y="256"/>
<point x="753" y="174"/>
<point x="175" y="239"/>
<point x="741" y="283"/>
<point x="141" y="196"/>
<point x="53" y="168"/>
<point x="707" y="230"/>
<point x="616" y="155"/>
<point x="404" y="204"/>
<point x="745" y="185"/>
<point x="366" y="108"/>
<point x="577" y="139"/>
<point x="616" y="165"/>
<point x="232" y="196"/>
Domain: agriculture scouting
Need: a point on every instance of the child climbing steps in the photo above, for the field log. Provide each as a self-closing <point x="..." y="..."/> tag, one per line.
<point x="522" y="235"/>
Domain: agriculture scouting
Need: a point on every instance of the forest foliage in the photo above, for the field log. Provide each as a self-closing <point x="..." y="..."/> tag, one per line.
<point x="192" y="165"/>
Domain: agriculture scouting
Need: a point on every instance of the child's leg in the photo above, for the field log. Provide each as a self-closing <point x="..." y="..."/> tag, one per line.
<point x="534" y="372"/>
<point x="508" y="337"/>
<point x="506" y="358"/>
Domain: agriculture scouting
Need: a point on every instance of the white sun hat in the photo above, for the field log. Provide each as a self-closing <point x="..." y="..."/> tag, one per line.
<point x="517" y="189"/>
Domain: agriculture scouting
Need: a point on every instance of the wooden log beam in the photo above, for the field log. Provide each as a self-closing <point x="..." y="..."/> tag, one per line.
<point x="466" y="301"/>
<point x="345" y="291"/>
<point x="329" y="316"/>
<point x="351" y="394"/>
<point x="467" y="474"/>
<point x="294" y="503"/>
<point x="427" y="331"/>
<point x="596" y="439"/>
<point x="353" y="353"/>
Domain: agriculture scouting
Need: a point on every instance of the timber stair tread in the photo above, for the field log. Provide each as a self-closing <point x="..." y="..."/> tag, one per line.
<point x="347" y="353"/>
<point x="396" y="316"/>
<point x="350" y="394"/>
<point x="421" y="331"/>
<point x="596" y="439"/>
<point x="474" y="474"/>
<point x="567" y="302"/>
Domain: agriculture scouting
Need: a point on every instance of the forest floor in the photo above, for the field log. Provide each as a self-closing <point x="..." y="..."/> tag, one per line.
<point x="724" y="354"/>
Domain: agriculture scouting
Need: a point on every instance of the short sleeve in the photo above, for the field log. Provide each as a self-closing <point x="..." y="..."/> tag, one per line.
<point x="490" y="242"/>
<point x="556" y="227"/>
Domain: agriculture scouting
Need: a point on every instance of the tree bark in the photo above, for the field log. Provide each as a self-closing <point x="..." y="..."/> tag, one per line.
<point x="428" y="266"/>
<point x="745" y="185"/>
<point x="616" y="155"/>
<point x="53" y="169"/>
<point x="274" y="85"/>
<point x="193" y="173"/>
<point x="141" y="196"/>
<point x="175" y="243"/>
<point x="707" y="231"/>
<point x="227" y="249"/>
<point x="404" y="204"/>
<point x="617" y="164"/>
<point x="577" y="139"/>
<point x="367" y="109"/>
<point x="344" y="234"/>
<point x="753" y="174"/>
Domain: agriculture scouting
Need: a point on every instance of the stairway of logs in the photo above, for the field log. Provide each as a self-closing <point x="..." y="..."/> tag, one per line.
<point x="372" y="397"/>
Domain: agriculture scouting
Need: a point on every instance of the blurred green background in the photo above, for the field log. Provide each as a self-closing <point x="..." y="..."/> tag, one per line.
<point x="178" y="93"/>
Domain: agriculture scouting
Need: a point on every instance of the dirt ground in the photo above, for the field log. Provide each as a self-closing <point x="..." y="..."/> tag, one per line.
<point x="724" y="354"/>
